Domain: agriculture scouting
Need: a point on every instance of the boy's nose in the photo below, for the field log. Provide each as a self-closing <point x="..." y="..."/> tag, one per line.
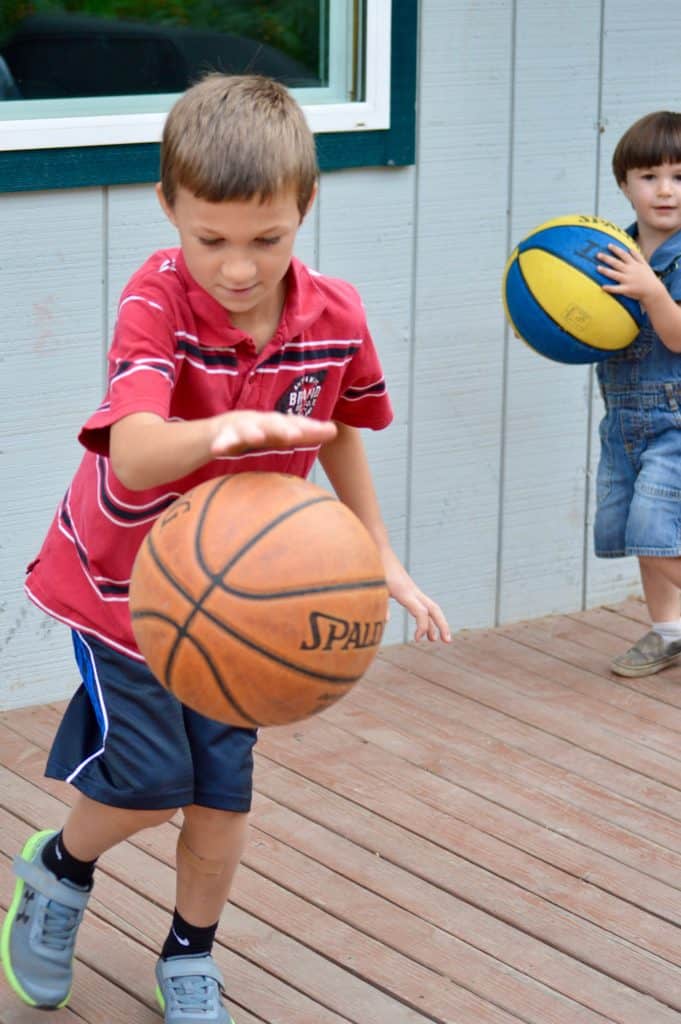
<point x="238" y="271"/>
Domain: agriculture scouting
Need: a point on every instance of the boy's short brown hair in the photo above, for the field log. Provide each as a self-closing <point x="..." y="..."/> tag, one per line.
<point x="652" y="140"/>
<point x="236" y="137"/>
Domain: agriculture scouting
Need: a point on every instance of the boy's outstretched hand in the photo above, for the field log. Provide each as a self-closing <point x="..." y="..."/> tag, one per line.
<point x="430" y="620"/>
<point x="243" y="429"/>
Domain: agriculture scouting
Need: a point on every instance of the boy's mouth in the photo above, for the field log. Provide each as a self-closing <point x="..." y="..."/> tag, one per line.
<point x="238" y="291"/>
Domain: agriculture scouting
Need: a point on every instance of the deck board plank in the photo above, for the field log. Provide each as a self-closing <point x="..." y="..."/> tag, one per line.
<point x="487" y="833"/>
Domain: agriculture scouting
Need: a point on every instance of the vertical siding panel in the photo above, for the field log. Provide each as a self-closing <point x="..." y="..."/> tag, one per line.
<point x="640" y="74"/>
<point x="51" y="362"/>
<point x="366" y="237"/>
<point x="306" y="242"/>
<point x="546" y="431"/>
<point x="458" y="358"/>
<point x="307" y="250"/>
<point x="136" y="227"/>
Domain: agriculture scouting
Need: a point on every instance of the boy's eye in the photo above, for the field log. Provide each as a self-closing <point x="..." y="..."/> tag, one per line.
<point x="269" y="241"/>
<point x="210" y="241"/>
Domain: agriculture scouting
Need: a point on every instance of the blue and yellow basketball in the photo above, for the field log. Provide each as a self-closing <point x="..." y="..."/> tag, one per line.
<point x="553" y="293"/>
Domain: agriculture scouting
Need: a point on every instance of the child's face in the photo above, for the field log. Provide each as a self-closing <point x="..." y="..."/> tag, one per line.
<point x="655" y="194"/>
<point x="239" y="250"/>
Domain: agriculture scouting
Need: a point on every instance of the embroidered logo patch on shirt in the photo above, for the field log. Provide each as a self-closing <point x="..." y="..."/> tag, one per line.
<point x="300" y="397"/>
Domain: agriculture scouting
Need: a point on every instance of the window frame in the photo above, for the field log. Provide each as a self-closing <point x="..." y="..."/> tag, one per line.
<point x="378" y="131"/>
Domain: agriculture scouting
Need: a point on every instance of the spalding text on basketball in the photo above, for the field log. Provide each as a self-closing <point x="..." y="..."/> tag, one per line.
<point x="328" y="632"/>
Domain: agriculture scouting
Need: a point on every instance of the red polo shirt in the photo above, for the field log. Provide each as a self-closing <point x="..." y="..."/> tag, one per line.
<point x="175" y="353"/>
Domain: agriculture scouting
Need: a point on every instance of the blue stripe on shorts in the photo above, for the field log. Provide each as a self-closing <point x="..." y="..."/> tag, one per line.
<point x="125" y="741"/>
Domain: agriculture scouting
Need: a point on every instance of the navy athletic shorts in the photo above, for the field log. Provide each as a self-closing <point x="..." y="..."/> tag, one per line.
<point x="127" y="742"/>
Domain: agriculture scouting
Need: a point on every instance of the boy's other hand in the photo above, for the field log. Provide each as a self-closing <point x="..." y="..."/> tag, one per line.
<point x="630" y="273"/>
<point x="430" y="619"/>
<point x="240" y="430"/>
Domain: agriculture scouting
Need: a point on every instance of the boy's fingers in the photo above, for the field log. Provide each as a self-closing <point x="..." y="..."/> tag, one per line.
<point x="442" y="624"/>
<point x="271" y="429"/>
<point x="430" y="621"/>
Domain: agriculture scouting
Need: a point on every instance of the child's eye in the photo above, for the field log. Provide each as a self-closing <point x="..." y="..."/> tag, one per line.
<point x="210" y="241"/>
<point x="269" y="241"/>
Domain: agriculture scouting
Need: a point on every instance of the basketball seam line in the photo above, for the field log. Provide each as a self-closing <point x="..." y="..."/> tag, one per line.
<point x="141" y="613"/>
<point x="584" y="344"/>
<point x="208" y="659"/>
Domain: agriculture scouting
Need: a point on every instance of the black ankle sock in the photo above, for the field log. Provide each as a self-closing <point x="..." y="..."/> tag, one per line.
<point x="186" y="939"/>
<point x="61" y="863"/>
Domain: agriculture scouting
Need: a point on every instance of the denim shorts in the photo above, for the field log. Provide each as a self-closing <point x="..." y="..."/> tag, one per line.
<point x="125" y="741"/>
<point x="638" y="490"/>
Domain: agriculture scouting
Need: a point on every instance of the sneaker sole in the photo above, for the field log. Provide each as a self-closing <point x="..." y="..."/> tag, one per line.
<point x="644" y="670"/>
<point x="26" y="854"/>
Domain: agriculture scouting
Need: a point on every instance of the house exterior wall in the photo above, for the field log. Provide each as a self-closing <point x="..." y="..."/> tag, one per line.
<point x="485" y="477"/>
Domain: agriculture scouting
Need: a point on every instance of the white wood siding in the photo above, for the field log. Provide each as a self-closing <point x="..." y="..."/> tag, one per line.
<point x="485" y="476"/>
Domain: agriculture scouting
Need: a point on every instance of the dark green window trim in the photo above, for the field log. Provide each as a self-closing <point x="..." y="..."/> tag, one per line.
<point x="34" y="169"/>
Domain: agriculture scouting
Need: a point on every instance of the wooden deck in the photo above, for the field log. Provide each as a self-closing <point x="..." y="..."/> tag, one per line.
<point x="486" y="833"/>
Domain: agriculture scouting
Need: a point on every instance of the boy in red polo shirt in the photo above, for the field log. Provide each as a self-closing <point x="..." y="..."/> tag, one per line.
<point x="228" y="355"/>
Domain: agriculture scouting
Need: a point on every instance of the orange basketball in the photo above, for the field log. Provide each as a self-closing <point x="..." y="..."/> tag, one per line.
<point x="258" y="599"/>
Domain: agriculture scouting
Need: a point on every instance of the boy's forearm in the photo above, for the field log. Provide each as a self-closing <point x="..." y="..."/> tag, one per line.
<point x="346" y="465"/>
<point x="147" y="451"/>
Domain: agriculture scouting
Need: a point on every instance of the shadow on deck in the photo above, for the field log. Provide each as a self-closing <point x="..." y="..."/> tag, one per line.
<point x="488" y="833"/>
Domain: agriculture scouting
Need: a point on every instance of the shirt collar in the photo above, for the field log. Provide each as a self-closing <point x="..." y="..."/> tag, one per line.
<point x="304" y="304"/>
<point x="665" y="254"/>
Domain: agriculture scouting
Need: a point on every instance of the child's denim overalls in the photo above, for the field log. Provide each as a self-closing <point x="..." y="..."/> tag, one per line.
<point x="639" y="473"/>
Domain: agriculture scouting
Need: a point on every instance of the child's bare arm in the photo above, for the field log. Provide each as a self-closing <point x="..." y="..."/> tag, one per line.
<point x="147" y="451"/>
<point x="345" y="463"/>
<point x="634" y="277"/>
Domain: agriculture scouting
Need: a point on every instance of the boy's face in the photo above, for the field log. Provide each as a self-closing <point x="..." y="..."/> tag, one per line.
<point x="238" y="250"/>
<point x="655" y="194"/>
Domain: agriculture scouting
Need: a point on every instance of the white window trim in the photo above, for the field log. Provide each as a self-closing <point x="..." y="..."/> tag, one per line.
<point x="121" y="129"/>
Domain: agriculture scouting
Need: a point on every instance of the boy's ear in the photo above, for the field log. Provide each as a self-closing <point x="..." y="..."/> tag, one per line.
<point x="165" y="206"/>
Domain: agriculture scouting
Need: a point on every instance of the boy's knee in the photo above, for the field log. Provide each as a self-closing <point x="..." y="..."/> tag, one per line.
<point x="210" y="866"/>
<point x="210" y="839"/>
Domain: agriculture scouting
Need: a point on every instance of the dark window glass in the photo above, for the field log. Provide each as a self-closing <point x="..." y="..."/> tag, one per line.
<point x="80" y="48"/>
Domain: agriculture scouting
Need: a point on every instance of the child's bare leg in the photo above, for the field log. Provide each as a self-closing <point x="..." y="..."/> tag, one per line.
<point x="661" y="578"/>
<point x="661" y="646"/>
<point x="54" y="879"/>
<point x="92" y="828"/>
<point x="209" y="850"/>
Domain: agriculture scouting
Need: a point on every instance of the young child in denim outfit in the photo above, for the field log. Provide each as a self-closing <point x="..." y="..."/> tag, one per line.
<point x="216" y="344"/>
<point x="639" y="473"/>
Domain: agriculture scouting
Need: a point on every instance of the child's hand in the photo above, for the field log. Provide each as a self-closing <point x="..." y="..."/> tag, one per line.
<point x="631" y="274"/>
<point x="430" y="620"/>
<point x="244" y="429"/>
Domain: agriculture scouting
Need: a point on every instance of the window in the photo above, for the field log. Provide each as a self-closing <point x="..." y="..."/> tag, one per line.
<point x="85" y="84"/>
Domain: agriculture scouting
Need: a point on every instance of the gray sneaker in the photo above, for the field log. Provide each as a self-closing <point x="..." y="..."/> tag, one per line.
<point x="189" y="991"/>
<point x="39" y="933"/>
<point x="647" y="656"/>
